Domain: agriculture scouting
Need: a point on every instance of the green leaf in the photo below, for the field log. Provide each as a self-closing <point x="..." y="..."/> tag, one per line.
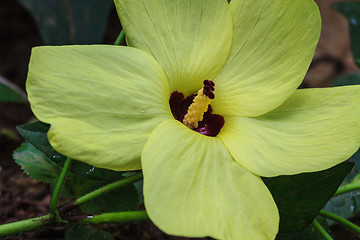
<point x="310" y="232"/>
<point x="10" y="93"/>
<point x="351" y="10"/>
<point x="348" y="79"/>
<point x="300" y="197"/>
<point x="121" y="199"/>
<point x="91" y="172"/>
<point x="36" y="134"/>
<point x="139" y="188"/>
<point x="347" y="205"/>
<point x="139" y="185"/>
<point x="70" y="21"/>
<point x="85" y="232"/>
<point x="36" y="164"/>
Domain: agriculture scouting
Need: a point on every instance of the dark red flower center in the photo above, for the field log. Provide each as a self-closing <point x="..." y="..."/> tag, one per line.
<point x="211" y="123"/>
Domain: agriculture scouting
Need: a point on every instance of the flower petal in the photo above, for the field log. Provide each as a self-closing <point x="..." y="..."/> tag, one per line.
<point x="313" y="130"/>
<point x="102" y="101"/>
<point x="193" y="187"/>
<point x="273" y="44"/>
<point x="190" y="39"/>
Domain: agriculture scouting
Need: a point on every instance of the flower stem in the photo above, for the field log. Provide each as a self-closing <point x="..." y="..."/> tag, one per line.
<point x="348" y="188"/>
<point x="25" y="225"/>
<point x="108" y="188"/>
<point x="120" y="38"/>
<point x="98" y="192"/>
<point x="116" y="217"/>
<point x="56" y="194"/>
<point x="53" y="217"/>
<point x="340" y="220"/>
<point x="322" y="231"/>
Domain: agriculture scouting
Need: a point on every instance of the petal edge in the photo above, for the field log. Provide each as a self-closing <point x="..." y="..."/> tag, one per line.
<point x="313" y="130"/>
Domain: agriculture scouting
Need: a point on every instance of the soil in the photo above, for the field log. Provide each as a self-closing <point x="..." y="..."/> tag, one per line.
<point x="22" y="197"/>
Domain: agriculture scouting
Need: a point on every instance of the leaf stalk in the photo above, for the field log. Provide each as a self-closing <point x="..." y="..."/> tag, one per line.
<point x="348" y="188"/>
<point x="116" y="217"/>
<point x="26" y="225"/>
<point x="340" y="220"/>
<point x="321" y="230"/>
<point x="53" y="206"/>
<point x="98" y="192"/>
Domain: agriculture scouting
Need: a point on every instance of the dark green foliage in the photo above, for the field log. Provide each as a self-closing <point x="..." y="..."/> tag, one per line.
<point x="300" y="197"/>
<point x="347" y="205"/>
<point x="121" y="199"/>
<point x="36" y="164"/>
<point x="310" y="232"/>
<point x="10" y="93"/>
<point x="70" y="21"/>
<point x="37" y="160"/>
<point x="36" y="134"/>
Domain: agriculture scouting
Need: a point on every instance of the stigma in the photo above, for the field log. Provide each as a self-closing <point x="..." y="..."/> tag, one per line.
<point x="200" y="104"/>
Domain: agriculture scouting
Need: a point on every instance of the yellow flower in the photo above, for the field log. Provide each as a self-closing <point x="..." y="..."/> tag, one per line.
<point x="109" y="106"/>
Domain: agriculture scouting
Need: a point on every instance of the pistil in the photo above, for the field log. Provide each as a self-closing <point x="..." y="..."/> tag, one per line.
<point x="199" y="105"/>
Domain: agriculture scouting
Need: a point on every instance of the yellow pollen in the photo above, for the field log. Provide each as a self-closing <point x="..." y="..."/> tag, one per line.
<point x="199" y="106"/>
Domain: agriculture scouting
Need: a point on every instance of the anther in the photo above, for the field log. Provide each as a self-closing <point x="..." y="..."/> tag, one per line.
<point x="211" y="95"/>
<point x="200" y="105"/>
<point x="209" y="88"/>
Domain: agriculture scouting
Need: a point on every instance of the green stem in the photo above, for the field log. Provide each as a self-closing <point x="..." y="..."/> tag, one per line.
<point x="120" y="38"/>
<point x="57" y="190"/>
<point x="321" y="230"/>
<point x="25" y="225"/>
<point x="348" y="188"/>
<point x="87" y="197"/>
<point x="340" y="220"/>
<point x="116" y="217"/>
<point x="98" y="192"/>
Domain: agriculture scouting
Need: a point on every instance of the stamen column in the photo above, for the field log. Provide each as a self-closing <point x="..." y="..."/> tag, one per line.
<point x="200" y="105"/>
